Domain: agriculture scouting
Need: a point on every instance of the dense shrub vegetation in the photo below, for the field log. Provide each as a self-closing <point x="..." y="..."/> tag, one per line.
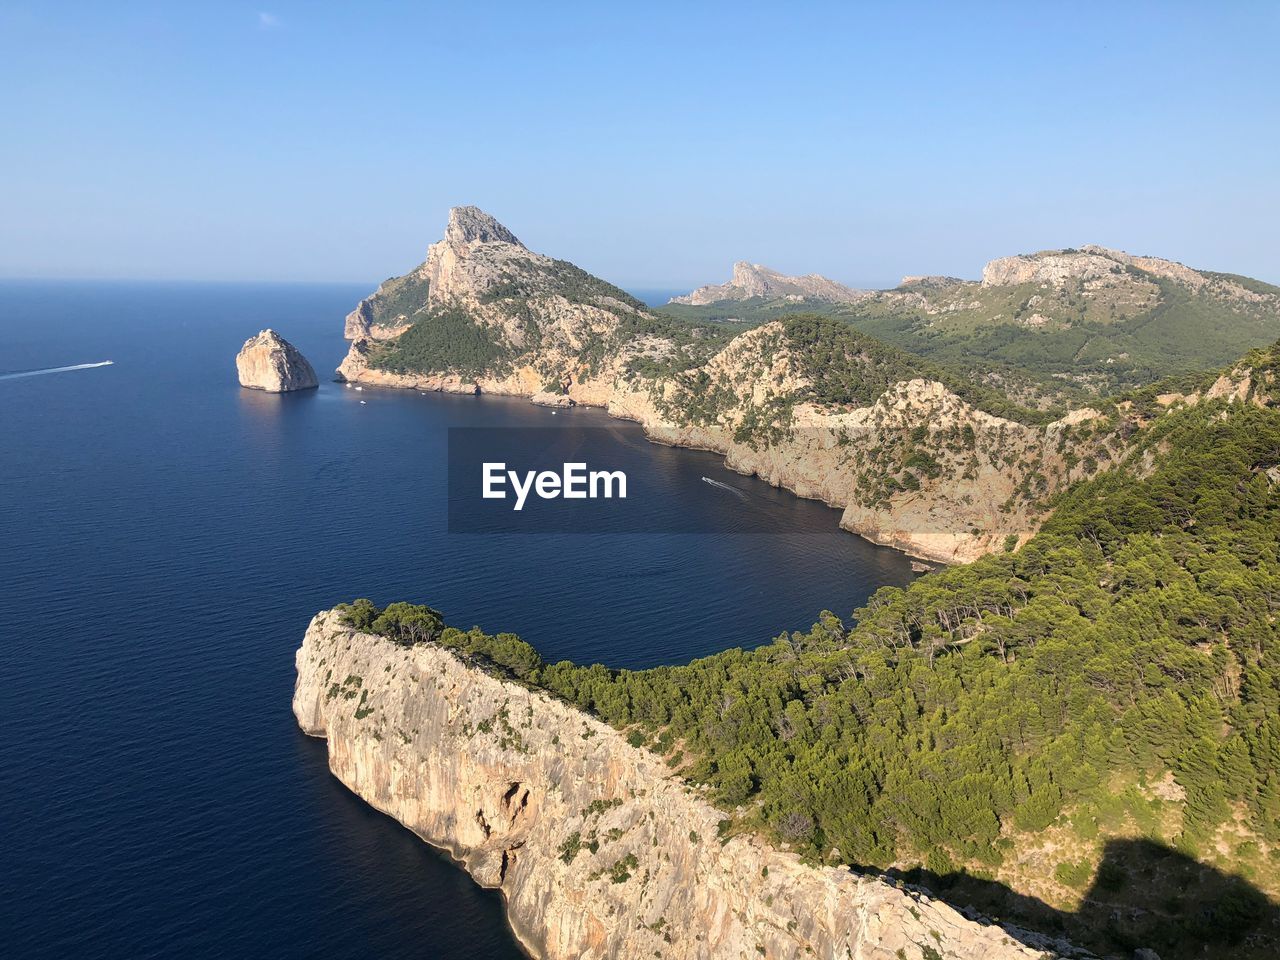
<point x="1135" y="634"/>
<point x="400" y="297"/>
<point x="417" y="623"/>
<point x="848" y="367"/>
<point x="444" y="339"/>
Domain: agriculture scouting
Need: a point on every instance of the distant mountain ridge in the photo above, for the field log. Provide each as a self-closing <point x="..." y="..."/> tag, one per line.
<point x="756" y="280"/>
<point x="1059" y="322"/>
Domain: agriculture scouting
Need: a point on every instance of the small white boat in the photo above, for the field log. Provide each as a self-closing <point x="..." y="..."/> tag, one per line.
<point x="363" y="402"/>
<point x="359" y="388"/>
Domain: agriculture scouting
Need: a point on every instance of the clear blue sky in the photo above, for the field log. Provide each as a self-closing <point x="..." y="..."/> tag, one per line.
<point x="651" y="144"/>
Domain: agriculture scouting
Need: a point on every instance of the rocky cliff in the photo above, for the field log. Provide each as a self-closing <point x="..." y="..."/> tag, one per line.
<point x="756" y="280"/>
<point x="815" y="409"/>
<point x="1098" y="266"/>
<point x="598" y="850"/>
<point x="270" y="362"/>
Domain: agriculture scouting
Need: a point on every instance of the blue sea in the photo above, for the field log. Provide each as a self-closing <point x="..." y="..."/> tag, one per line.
<point x="165" y="537"/>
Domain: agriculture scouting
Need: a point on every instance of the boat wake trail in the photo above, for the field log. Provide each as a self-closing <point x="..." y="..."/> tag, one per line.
<point x="42" y="372"/>
<point x="724" y="486"/>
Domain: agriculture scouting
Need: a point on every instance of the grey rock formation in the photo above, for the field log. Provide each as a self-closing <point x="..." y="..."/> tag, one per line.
<point x="473" y="225"/>
<point x="931" y="282"/>
<point x="1099" y="266"/>
<point x="1052" y="267"/>
<point x="756" y="280"/>
<point x="270" y="362"/>
<point x="548" y="398"/>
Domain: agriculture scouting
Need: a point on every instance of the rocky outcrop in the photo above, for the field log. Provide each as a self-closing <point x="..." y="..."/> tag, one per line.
<point x="755" y="280"/>
<point x="271" y="363"/>
<point x="599" y="851"/>
<point x="931" y="281"/>
<point x="1097" y="267"/>
<point x="549" y="398"/>
<point x="390" y="310"/>
<point x="363" y="323"/>
<point x="1053" y="267"/>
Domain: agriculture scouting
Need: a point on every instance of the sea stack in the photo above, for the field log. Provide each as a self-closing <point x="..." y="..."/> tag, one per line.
<point x="270" y="362"/>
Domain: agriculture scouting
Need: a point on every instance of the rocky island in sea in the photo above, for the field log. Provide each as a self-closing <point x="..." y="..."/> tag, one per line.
<point x="270" y="362"/>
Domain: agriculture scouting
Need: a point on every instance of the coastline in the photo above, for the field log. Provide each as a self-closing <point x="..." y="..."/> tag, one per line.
<point x="906" y="547"/>
<point x="935" y="526"/>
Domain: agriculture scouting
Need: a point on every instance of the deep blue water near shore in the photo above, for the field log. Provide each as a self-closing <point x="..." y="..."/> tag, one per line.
<point x="165" y="537"/>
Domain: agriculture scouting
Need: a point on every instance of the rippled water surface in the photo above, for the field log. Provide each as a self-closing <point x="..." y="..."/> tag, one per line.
<point x="165" y="537"/>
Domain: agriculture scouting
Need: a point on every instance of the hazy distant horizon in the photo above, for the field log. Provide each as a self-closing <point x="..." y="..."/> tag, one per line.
<point x="652" y="146"/>
<point x="653" y="294"/>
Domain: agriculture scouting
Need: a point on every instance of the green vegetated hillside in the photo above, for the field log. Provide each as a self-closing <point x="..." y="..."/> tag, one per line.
<point x="1083" y="735"/>
<point x="837" y="367"/>
<point x="443" y="339"/>
<point x="1097" y="322"/>
<point x="849" y="368"/>
<point x="399" y="299"/>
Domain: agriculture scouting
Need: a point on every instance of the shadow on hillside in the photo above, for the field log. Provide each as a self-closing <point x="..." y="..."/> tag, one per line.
<point x="1144" y="896"/>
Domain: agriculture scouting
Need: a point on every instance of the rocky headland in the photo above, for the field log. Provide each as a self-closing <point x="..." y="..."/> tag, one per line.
<point x="600" y="851"/>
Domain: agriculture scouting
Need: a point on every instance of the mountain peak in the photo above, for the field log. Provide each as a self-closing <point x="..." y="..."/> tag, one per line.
<point x="473" y="225"/>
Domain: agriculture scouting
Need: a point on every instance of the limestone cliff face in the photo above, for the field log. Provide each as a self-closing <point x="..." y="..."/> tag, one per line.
<point x="598" y="850"/>
<point x="1051" y="267"/>
<point x="1097" y="268"/>
<point x="363" y="323"/>
<point x="471" y="235"/>
<point x="271" y="363"/>
<point x="756" y="280"/>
